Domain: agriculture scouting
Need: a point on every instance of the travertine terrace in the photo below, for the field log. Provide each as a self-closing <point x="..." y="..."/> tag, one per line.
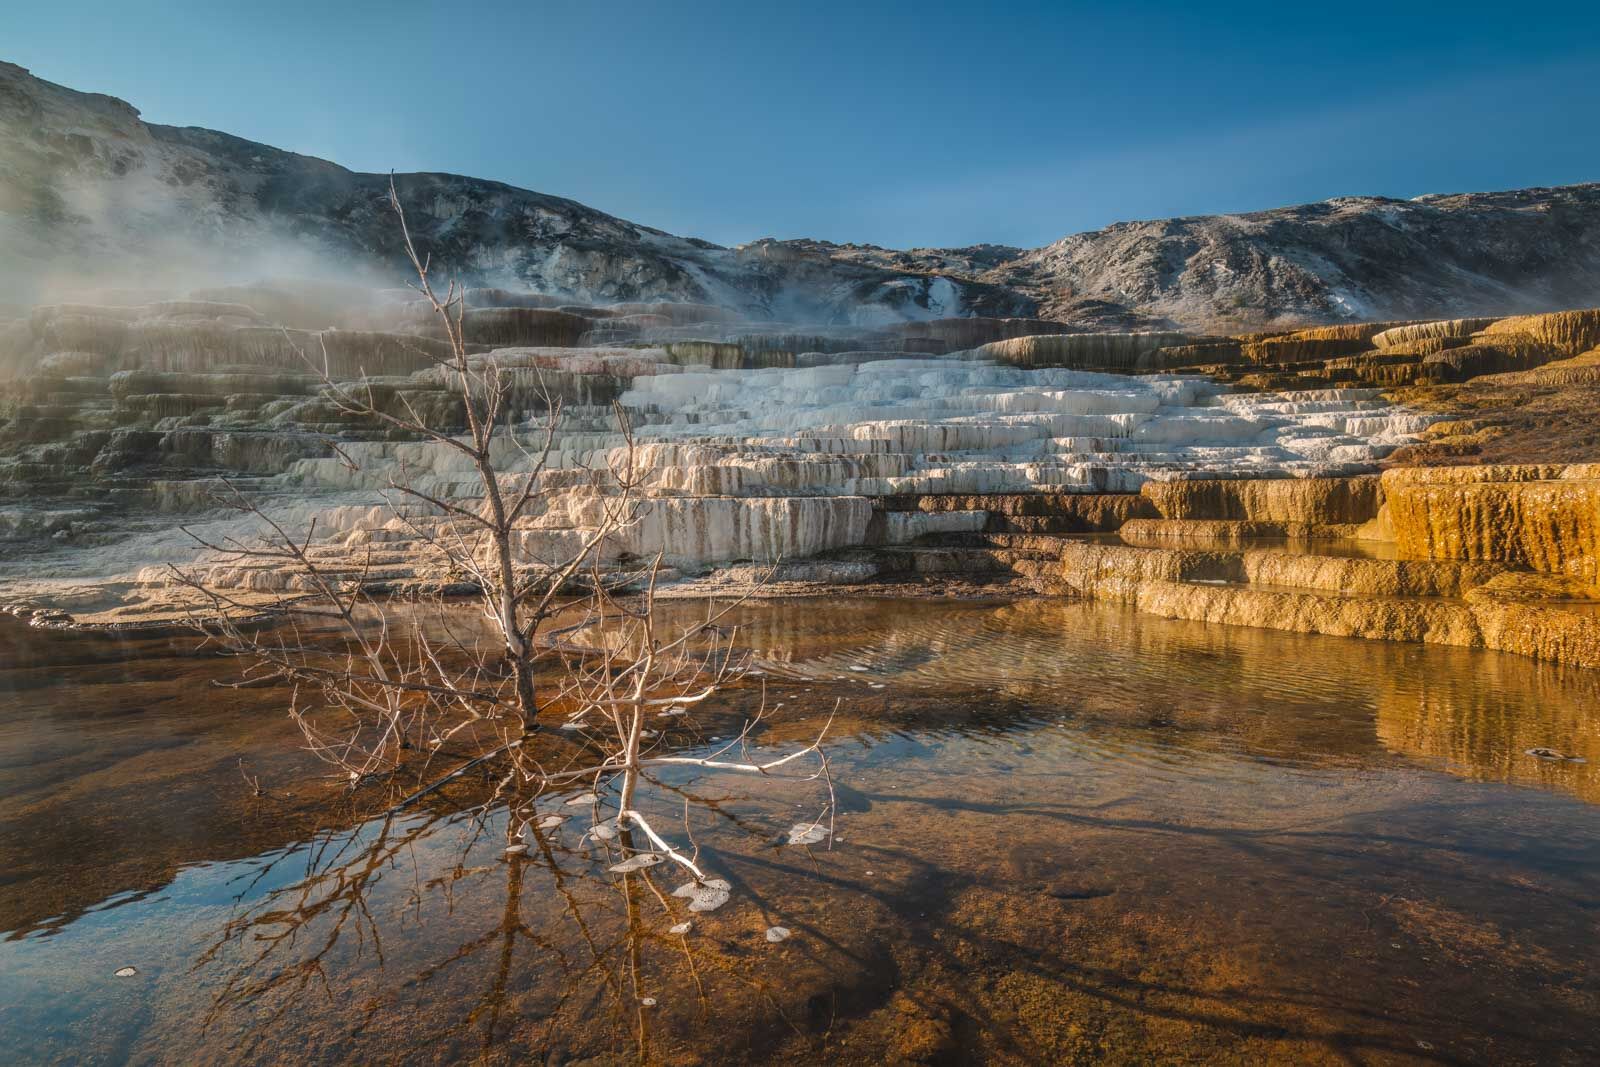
<point x="964" y="447"/>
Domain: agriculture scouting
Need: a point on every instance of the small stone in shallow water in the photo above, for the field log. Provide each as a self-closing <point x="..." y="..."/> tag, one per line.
<point x="572" y="726"/>
<point x="681" y="929"/>
<point x="777" y="933"/>
<point x="126" y="972"/>
<point x="862" y="669"/>
<point x="708" y="895"/>
<point x="648" y="1002"/>
<point x="1552" y="754"/>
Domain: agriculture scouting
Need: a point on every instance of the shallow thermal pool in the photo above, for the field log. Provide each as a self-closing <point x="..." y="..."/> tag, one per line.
<point x="1066" y="831"/>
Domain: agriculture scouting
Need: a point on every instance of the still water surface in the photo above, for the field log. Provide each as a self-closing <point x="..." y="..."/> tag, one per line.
<point x="1066" y="832"/>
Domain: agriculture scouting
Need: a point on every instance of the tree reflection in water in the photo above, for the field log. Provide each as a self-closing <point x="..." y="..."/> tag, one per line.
<point x="565" y="957"/>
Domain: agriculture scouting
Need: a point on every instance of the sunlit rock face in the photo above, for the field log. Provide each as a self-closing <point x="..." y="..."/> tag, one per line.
<point x="1489" y="557"/>
<point x="1320" y="502"/>
<point x="1569" y="332"/>
<point x="1125" y="353"/>
<point x="1543" y="518"/>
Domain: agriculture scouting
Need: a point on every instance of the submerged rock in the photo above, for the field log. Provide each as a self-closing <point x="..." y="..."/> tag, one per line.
<point x="1554" y="756"/>
<point x="708" y="895"/>
<point x="806" y="833"/>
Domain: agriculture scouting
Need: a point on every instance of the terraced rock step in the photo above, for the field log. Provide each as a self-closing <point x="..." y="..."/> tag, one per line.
<point x="754" y="441"/>
<point x="1433" y="602"/>
<point x="1496" y="558"/>
<point x="1156" y="533"/>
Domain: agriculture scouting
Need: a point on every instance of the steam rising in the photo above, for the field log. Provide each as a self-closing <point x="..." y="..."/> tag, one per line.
<point x="138" y="238"/>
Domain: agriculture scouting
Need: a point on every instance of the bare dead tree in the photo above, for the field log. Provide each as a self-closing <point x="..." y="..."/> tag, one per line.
<point x="386" y="677"/>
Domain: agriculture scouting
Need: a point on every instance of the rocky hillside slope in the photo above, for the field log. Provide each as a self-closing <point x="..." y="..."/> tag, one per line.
<point x="1349" y="259"/>
<point x="91" y="194"/>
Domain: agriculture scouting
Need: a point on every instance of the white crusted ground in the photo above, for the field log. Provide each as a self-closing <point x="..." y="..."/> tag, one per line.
<point x="757" y="464"/>
<point x="783" y="464"/>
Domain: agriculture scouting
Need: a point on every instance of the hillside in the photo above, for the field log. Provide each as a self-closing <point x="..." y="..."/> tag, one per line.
<point x="92" y="196"/>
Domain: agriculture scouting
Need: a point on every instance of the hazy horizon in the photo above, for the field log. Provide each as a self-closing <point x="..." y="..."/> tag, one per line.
<point x="929" y="125"/>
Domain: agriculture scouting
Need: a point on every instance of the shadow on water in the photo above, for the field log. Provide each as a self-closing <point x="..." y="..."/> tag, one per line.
<point x="1066" y="832"/>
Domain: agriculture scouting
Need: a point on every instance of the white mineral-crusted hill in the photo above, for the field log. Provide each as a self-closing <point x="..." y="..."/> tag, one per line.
<point x="756" y="441"/>
<point x="785" y="463"/>
<point x="766" y="465"/>
<point x="89" y="191"/>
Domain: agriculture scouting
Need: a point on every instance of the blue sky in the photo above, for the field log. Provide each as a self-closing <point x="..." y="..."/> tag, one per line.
<point x="895" y="123"/>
